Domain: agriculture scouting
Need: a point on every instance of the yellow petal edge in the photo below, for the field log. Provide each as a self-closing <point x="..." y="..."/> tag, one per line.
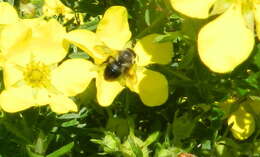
<point x="225" y="42"/>
<point x="151" y="86"/>
<point x="113" y="29"/>
<point x="193" y="8"/>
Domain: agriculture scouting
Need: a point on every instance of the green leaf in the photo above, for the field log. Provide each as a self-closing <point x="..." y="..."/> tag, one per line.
<point x="147" y="17"/>
<point x="70" y="123"/>
<point x="168" y="37"/>
<point x="242" y="91"/>
<point x="118" y="125"/>
<point x="62" y="151"/>
<point x="206" y="145"/>
<point x="91" y="25"/>
<point x="151" y="138"/>
<point x="110" y="143"/>
<point x="79" y="54"/>
<point x="257" y="56"/>
<point x="252" y="80"/>
<point x="185" y="122"/>
<point x="69" y="116"/>
<point x="32" y="154"/>
<point x="135" y="148"/>
<point x="256" y="147"/>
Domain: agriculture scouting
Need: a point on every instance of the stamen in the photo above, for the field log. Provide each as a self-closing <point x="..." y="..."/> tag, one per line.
<point x="36" y="74"/>
<point x="59" y="10"/>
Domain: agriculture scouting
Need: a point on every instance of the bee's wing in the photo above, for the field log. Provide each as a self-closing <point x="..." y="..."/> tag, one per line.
<point x="102" y="49"/>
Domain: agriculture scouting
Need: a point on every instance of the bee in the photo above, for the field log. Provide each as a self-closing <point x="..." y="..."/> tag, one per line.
<point x="116" y="66"/>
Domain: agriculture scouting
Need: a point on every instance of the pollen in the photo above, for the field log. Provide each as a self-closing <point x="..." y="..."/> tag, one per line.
<point x="37" y="74"/>
<point x="59" y="10"/>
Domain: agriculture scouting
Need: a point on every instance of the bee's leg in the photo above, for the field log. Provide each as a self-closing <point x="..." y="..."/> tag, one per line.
<point x="109" y="60"/>
<point x="131" y="75"/>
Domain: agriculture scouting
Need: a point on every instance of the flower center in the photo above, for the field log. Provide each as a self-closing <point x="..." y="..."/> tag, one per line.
<point x="37" y="74"/>
<point x="59" y="10"/>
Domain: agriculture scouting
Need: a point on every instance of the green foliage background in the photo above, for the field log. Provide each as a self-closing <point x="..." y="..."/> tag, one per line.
<point x="190" y="121"/>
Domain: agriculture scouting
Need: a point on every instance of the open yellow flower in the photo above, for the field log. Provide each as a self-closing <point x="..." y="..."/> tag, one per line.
<point x="228" y="40"/>
<point x="242" y="123"/>
<point x="111" y="36"/>
<point x="57" y="8"/>
<point x="32" y="77"/>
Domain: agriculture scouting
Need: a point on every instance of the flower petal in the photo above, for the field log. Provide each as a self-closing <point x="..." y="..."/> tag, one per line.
<point x="88" y="42"/>
<point x="15" y="41"/>
<point x="257" y="19"/>
<point x="107" y="90"/>
<point x="193" y="8"/>
<point x="41" y="96"/>
<point x="47" y="43"/>
<point x="8" y="13"/>
<point x="62" y="104"/>
<point x="225" y="42"/>
<point x="17" y="99"/>
<point x="220" y="6"/>
<point x="113" y="29"/>
<point x="73" y="76"/>
<point x="243" y="124"/>
<point x="38" y="38"/>
<point x="149" y="52"/>
<point x="151" y="86"/>
<point x="12" y="75"/>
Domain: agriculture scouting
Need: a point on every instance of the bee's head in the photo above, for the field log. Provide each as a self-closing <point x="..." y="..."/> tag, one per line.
<point x="126" y="55"/>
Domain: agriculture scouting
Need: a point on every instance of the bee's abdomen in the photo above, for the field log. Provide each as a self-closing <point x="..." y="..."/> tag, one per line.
<point x="112" y="71"/>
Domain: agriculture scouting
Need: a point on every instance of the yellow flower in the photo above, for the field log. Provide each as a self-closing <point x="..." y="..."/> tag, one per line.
<point x="111" y="37"/>
<point x="242" y="124"/>
<point x="32" y="77"/>
<point x="228" y="40"/>
<point x="57" y="8"/>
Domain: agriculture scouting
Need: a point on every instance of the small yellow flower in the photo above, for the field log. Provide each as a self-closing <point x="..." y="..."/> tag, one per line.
<point x="242" y="124"/>
<point x="228" y="40"/>
<point x="57" y="8"/>
<point x="111" y="36"/>
<point x="32" y="50"/>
